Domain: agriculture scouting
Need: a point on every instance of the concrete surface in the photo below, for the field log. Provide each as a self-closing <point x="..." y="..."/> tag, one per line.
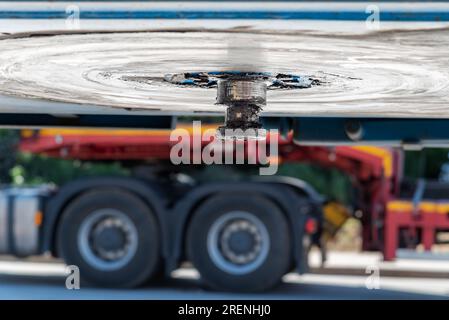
<point x="46" y="280"/>
<point x="416" y="265"/>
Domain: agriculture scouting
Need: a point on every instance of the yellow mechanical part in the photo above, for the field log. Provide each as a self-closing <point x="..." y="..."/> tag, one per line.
<point x="335" y="215"/>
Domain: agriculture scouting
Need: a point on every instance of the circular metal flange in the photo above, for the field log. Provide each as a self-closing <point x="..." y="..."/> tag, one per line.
<point x="242" y="91"/>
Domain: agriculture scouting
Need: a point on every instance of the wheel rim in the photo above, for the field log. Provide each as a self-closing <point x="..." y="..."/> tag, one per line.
<point x="107" y="239"/>
<point x="238" y="242"/>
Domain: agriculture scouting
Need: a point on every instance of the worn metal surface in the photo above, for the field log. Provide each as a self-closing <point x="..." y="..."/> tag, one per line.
<point x="387" y="74"/>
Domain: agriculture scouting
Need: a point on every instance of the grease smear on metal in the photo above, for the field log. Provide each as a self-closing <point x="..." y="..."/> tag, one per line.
<point x="395" y="73"/>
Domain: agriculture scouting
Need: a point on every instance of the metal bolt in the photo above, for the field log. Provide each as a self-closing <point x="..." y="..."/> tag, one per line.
<point x="244" y="97"/>
<point x="354" y="130"/>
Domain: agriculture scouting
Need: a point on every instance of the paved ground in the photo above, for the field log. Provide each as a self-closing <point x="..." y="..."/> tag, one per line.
<point x="37" y="280"/>
<point x="408" y="264"/>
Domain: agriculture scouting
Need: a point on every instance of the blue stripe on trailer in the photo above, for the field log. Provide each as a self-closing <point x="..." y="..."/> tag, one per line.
<point x="230" y="15"/>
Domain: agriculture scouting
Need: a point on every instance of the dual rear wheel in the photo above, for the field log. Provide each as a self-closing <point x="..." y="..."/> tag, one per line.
<point x="239" y="243"/>
<point x="236" y="242"/>
<point x="112" y="236"/>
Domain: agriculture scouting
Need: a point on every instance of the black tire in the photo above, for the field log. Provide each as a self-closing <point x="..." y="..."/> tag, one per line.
<point x="269" y="272"/>
<point x="143" y="265"/>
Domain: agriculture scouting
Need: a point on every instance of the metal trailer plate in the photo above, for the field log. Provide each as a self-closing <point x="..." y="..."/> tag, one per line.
<point x="91" y="78"/>
<point x="377" y="75"/>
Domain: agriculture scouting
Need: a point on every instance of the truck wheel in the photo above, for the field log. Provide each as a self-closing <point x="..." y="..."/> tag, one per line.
<point x="239" y="243"/>
<point x="112" y="236"/>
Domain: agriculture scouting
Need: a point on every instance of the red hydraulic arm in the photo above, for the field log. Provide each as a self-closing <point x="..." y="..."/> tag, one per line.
<point x="375" y="171"/>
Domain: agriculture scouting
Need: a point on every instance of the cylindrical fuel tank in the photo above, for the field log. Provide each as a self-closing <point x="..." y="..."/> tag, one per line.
<point x="21" y="215"/>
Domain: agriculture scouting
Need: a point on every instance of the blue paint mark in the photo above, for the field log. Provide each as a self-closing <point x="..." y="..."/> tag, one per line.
<point x="188" y="81"/>
<point x="230" y="15"/>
